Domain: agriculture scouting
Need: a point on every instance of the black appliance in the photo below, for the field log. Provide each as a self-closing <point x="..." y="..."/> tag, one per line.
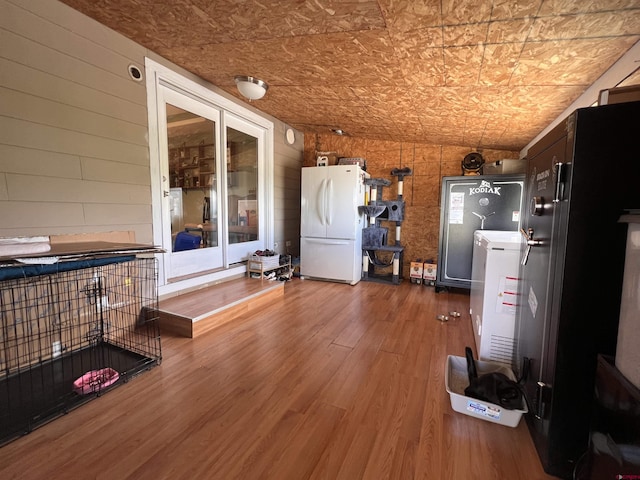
<point x="580" y="178"/>
<point x="614" y="440"/>
<point x="470" y="203"/>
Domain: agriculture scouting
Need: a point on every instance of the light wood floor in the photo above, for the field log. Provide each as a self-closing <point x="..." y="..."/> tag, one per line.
<point x="331" y="382"/>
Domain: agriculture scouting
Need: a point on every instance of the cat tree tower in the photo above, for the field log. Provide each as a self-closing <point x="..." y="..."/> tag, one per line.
<point x="374" y="237"/>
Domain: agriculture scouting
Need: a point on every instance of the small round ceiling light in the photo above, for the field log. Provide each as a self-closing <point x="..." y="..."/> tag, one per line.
<point x="338" y="131"/>
<point x="251" y="87"/>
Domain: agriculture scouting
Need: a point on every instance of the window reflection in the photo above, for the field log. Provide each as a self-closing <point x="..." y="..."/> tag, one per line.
<point x="192" y="180"/>
<point x="242" y="186"/>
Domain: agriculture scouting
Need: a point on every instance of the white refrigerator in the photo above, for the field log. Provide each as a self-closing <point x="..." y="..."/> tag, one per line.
<point x="331" y="223"/>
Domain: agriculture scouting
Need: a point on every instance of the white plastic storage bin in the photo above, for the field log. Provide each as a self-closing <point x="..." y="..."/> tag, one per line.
<point x="264" y="262"/>
<point x="456" y="380"/>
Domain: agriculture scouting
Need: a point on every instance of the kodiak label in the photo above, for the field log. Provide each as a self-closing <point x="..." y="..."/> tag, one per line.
<point x="485" y="187"/>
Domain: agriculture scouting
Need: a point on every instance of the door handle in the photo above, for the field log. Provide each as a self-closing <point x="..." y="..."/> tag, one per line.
<point x="536" y="206"/>
<point x="320" y="202"/>
<point x="329" y="202"/>
<point x="531" y="242"/>
<point x="542" y="398"/>
<point x="483" y="218"/>
<point x="559" y="193"/>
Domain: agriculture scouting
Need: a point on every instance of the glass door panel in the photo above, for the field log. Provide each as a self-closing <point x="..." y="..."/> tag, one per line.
<point x="193" y="194"/>
<point x="192" y="168"/>
<point x="242" y="186"/>
<point x="245" y="167"/>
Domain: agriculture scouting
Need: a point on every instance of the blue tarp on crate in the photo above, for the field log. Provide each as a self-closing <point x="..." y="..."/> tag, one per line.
<point x="23" y="271"/>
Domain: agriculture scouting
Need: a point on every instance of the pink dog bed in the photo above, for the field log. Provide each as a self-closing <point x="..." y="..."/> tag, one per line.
<point x="95" y="380"/>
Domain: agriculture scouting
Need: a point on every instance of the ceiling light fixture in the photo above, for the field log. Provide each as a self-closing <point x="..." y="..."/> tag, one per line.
<point x="338" y="131"/>
<point x="251" y="87"/>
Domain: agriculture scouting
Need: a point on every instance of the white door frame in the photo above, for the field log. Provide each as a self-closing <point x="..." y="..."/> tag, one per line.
<point x="156" y="75"/>
<point x="200" y="259"/>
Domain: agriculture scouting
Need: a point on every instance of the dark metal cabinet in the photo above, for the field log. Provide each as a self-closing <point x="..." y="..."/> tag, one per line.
<point x="470" y="203"/>
<point x="581" y="177"/>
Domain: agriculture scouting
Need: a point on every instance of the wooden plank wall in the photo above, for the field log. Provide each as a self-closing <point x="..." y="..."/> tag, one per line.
<point x="74" y="155"/>
<point x="288" y="163"/>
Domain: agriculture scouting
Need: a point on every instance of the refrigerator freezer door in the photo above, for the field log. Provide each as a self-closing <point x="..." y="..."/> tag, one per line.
<point x="313" y="202"/>
<point x="330" y="200"/>
<point x="331" y="259"/>
<point x="345" y="192"/>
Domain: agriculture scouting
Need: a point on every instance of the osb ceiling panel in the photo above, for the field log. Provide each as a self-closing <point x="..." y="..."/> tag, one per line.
<point x="475" y="73"/>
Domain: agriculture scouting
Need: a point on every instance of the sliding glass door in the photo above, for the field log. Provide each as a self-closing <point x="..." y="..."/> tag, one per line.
<point x="212" y="180"/>
<point x="243" y="196"/>
<point x="191" y="191"/>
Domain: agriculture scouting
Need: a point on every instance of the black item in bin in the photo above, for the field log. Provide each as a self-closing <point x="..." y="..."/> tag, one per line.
<point x="494" y="387"/>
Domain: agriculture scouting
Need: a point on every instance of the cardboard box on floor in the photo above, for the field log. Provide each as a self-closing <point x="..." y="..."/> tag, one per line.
<point x="429" y="273"/>
<point x="416" y="272"/>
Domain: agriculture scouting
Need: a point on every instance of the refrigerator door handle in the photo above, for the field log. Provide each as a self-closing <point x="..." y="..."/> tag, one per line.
<point x="320" y="201"/>
<point x="328" y="241"/>
<point x="329" y="205"/>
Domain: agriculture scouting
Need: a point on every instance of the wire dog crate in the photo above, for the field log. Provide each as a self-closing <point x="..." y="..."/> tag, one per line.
<point x="71" y="331"/>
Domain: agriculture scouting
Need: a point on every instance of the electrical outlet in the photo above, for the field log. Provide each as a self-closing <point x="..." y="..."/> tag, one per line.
<point x="275" y="245"/>
<point x="57" y="349"/>
<point x="288" y="243"/>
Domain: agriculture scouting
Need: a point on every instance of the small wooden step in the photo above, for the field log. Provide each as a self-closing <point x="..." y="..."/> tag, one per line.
<point x="194" y="313"/>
